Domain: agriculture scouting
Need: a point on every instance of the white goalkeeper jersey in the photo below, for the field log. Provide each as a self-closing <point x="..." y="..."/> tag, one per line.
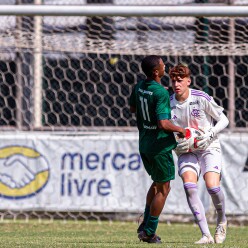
<point x="199" y="111"/>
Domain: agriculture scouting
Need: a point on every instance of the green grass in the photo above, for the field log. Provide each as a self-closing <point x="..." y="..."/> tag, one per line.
<point x="106" y="234"/>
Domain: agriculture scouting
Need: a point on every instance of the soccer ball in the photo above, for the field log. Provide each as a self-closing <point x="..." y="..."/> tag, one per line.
<point x="191" y="135"/>
<point x="113" y="60"/>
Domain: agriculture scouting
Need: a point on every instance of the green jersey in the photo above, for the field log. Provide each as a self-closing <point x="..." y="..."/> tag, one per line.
<point x="152" y="103"/>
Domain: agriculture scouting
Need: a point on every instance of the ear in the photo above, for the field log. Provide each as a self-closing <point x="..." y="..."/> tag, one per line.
<point x="156" y="72"/>
<point x="189" y="82"/>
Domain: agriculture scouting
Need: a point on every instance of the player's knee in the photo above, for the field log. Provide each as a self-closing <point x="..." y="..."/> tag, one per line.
<point x="166" y="191"/>
<point x="163" y="188"/>
<point x="210" y="185"/>
<point x="212" y="179"/>
<point x="214" y="190"/>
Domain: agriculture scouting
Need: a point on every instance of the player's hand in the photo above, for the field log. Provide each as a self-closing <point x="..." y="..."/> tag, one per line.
<point x="185" y="133"/>
<point x="182" y="146"/>
<point x="204" y="140"/>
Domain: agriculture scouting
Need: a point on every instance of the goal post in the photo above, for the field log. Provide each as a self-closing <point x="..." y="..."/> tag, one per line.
<point x="126" y="11"/>
<point x="38" y="69"/>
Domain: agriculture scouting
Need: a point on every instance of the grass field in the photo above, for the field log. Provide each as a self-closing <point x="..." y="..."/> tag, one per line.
<point x="106" y="234"/>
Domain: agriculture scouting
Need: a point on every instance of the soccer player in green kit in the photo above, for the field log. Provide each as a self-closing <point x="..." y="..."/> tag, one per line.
<point x="150" y="101"/>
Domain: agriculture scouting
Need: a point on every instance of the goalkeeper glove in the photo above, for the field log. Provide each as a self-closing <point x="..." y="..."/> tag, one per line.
<point x="204" y="140"/>
<point x="182" y="146"/>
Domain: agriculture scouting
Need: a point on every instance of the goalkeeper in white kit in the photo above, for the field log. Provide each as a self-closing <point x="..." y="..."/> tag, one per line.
<point x="196" y="109"/>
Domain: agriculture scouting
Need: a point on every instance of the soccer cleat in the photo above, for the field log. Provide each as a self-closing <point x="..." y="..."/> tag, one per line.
<point x="149" y="239"/>
<point x="220" y="233"/>
<point x="206" y="239"/>
<point x="141" y="228"/>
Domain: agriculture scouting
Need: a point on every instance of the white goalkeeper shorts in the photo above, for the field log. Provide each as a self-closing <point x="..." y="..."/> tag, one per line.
<point x="200" y="162"/>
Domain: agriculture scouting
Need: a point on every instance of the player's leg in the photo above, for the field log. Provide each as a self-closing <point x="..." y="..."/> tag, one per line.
<point x="189" y="171"/>
<point x="149" y="197"/>
<point x="150" y="194"/>
<point x="214" y="189"/>
<point x="158" y="201"/>
<point x="212" y="180"/>
<point x="157" y="204"/>
<point x="163" y="170"/>
<point x="212" y="172"/>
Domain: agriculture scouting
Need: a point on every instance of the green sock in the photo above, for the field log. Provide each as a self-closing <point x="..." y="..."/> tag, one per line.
<point x="146" y="213"/>
<point x="151" y="225"/>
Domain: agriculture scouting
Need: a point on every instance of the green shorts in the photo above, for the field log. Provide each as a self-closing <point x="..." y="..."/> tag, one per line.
<point x="160" y="167"/>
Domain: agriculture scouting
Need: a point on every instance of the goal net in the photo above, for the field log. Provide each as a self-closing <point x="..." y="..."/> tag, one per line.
<point x="64" y="88"/>
<point x="88" y="65"/>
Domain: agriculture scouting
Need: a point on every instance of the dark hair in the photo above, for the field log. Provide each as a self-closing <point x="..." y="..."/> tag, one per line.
<point x="149" y="63"/>
<point x="181" y="70"/>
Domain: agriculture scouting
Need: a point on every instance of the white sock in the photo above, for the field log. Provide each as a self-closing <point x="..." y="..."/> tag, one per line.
<point x="218" y="199"/>
<point x="196" y="207"/>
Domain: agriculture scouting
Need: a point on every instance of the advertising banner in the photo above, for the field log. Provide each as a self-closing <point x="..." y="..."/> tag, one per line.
<point x="100" y="173"/>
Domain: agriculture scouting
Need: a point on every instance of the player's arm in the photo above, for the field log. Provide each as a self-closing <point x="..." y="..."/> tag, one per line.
<point x="182" y="144"/>
<point x="204" y="140"/>
<point x="221" y="124"/>
<point x="216" y="112"/>
<point x="169" y="127"/>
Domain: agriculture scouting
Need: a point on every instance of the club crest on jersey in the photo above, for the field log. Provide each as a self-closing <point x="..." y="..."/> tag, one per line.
<point x="195" y="113"/>
<point x="174" y="117"/>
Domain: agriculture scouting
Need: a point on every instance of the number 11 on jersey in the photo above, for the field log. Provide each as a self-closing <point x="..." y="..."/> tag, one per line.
<point x="144" y="107"/>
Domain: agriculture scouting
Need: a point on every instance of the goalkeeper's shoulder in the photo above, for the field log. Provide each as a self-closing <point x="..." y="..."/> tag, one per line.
<point x="200" y="95"/>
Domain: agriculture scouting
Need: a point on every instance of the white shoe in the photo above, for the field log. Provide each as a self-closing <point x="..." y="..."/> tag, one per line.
<point x="206" y="239"/>
<point x="220" y="233"/>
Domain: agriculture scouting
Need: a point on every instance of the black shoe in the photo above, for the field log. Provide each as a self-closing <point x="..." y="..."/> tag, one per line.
<point x="149" y="239"/>
<point x="141" y="228"/>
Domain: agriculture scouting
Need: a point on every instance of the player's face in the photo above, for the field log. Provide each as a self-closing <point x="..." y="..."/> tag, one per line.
<point x="160" y="69"/>
<point x="181" y="87"/>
